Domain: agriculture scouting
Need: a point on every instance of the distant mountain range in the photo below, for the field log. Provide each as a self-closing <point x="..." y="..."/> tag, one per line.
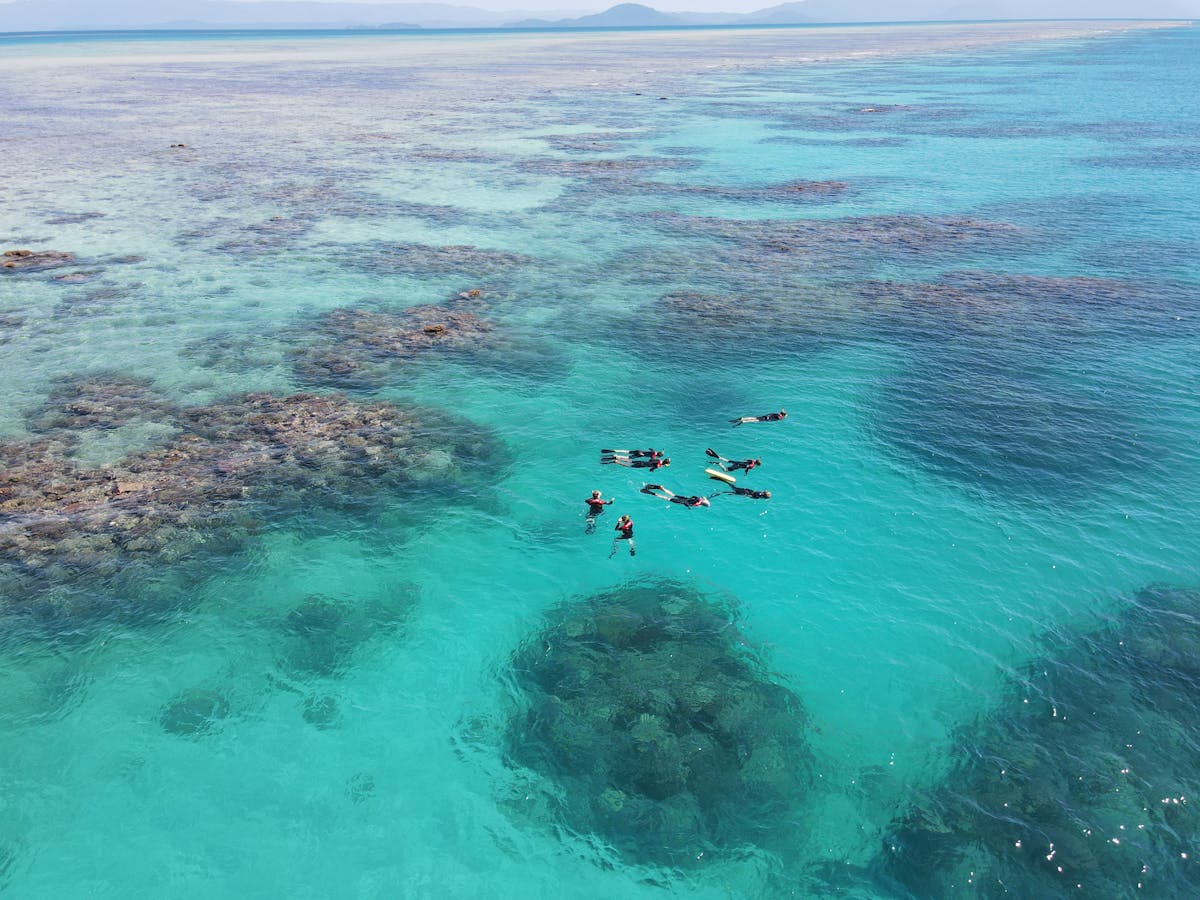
<point x="81" y="15"/>
<point x="812" y="12"/>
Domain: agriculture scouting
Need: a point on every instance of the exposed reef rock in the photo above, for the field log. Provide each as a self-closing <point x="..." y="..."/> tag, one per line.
<point x="1084" y="783"/>
<point x="165" y="502"/>
<point x="659" y="727"/>
<point x="34" y="260"/>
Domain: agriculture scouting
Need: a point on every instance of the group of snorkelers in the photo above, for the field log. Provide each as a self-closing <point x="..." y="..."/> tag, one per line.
<point x="656" y="459"/>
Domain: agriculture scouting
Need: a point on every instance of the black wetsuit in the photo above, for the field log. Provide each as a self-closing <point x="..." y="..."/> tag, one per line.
<point x="752" y="494"/>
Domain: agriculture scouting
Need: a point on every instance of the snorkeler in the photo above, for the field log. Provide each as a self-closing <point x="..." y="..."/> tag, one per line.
<point x="669" y="495"/>
<point x="625" y="526"/>
<point x="653" y="464"/>
<point x="595" y="505"/>
<point x="732" y="465"/>
<point x="635" y="454"/>
<point x="747" y="492"/>
<point x="769" y="417"/>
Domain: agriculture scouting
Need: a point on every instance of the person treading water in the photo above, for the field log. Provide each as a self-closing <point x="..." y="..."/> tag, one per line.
<point x="625" y="526"/>
<point x="595" y="505"/>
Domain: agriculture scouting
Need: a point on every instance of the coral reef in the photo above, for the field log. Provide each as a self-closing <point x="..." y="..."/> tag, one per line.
<point x="471" y="263"/>
<point x="356" y="348"/>
<point x="224" y="460"/>
<point x="99" y="401"/>
<point x="659" y="727"/>
<point x="324" y="632"/>
<point x="994" y="396"/>
<point x="1083" y="783"/>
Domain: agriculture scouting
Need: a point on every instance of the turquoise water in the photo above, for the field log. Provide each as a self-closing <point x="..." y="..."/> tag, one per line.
<point x="980" y="313"/>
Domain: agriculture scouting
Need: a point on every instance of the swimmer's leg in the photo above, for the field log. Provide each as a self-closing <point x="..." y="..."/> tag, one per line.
<point x="632" y="548"/>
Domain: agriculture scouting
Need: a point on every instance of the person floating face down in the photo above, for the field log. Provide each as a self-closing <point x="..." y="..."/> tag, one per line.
<point x="625" y="528"/>
<point x="657" y="490"/>
<point x="747" y="492"/>
<point x="635" y="454"/>
<point x="733" y="465"/>
<point x="653" y="463"/>
<point x="768" y="417"/>
<point x="595" y="505"/>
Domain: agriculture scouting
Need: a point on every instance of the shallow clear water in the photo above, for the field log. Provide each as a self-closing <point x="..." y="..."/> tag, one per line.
<point x="980" y="313"/>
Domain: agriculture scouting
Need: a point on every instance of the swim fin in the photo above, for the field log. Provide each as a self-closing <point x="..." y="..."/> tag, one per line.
<point x="713" y="453"/>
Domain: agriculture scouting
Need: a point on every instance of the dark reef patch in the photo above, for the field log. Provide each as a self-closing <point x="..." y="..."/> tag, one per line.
<point x="980" y="299"/>
<point x="361" y="349"/>
<point x="987" y="418"/>
<point x="792" y="321"/>
<point x="905" y="235"/>
<point x="759" y="255"/>
<point x="1008" y="388"/>
<point x="1083" y="783"/>
<point x="423" y="260"/>
<point x="606" y="168"/>
<point x="74" y="218"/>
<point x="323" y="633"/>
<point x="798" y="191"/>
<point x="659" y="728"/>
<point x="194" y="713"/>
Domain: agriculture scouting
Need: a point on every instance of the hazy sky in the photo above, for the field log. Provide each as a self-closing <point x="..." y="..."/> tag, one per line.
<point x="1132" y="8"/>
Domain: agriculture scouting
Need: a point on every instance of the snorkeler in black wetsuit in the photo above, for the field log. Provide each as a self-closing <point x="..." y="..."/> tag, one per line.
<point x="747" y="492"/>
<point x="667" y="494"/>
<point x="769" y="417"/>
<point x="733" y="465"/>
<point x="653" y="464"/>
<point x="635" y="454"/>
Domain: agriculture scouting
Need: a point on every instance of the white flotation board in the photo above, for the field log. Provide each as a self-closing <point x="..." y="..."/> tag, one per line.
<point x="720" y="476"/>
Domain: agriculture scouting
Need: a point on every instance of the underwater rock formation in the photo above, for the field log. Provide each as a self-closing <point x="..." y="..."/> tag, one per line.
<point x="224" y="460"/>
<point x="194" y="713"/>
<point x="893" y="235"/>
<point x="722" y="326"/>
<point x="356" y="348"/>
<point x="659" y="727"/>
<point x="979" y="299"/>
<point x="102" y="401"/>
<point x="324" y="632"/>
<point x="472" y="263"/>
<point x="993" y="397"/>
<point x="1084" y="783"/>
